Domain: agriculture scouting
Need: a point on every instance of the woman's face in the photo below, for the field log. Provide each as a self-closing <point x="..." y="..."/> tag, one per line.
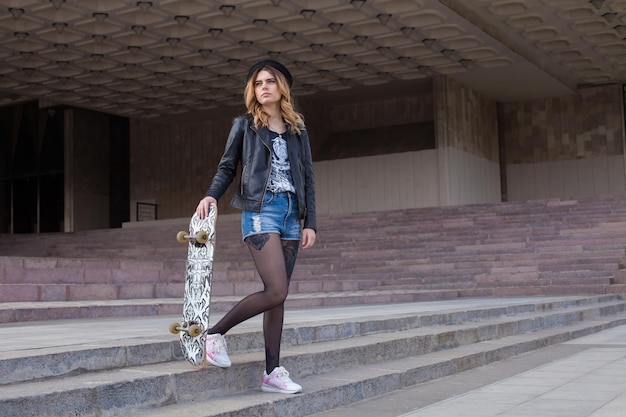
<point x="266" y="88"/>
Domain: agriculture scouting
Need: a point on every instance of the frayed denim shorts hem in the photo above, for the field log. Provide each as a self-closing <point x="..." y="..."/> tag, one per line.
<point x="279" y="214"/>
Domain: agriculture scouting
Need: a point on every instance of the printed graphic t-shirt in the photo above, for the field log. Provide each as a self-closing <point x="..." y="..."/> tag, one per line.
<point x="280" y="177"/>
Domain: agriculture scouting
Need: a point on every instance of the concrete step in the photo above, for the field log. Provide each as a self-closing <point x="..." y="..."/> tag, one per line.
<point x="339" y="359"/>
<point x="122" y="247"/>
<point x="364" y="382"/>
<point x="538" y="219"/>
<point x="18" y="312"/>
<point x="574" y="246"/>
<point x="91" y="288"/>
<point x="87" y="358"/>
<point x="579" y="377"/>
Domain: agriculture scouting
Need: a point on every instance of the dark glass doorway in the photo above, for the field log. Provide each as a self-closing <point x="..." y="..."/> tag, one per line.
<point x="32" y="168"/>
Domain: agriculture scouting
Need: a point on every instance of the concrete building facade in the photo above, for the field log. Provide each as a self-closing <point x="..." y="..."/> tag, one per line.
<point x="119" y="111"/>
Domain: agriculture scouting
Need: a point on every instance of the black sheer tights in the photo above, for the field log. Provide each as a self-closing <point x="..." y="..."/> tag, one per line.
<point x="274" y="259"/>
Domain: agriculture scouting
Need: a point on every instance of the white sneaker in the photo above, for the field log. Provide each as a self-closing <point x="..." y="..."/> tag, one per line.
<point x="279" y="381"/>
<point x="216" y="351"/>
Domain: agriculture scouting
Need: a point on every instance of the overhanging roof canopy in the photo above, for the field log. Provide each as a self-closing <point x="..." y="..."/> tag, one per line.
<point x="149" y="58"/>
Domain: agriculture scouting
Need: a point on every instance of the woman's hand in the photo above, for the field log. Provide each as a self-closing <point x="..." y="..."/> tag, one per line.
<point x="308" y="238"/>
<point x="203" y="206"/>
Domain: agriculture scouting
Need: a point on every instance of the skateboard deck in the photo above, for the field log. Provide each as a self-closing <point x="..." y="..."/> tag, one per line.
<point x="197" y="296"/>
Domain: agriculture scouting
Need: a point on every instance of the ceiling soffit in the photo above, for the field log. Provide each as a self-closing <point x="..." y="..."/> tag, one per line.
<point x="150" y="58"/>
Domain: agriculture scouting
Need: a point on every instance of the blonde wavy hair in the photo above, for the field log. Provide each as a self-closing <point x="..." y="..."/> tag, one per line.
<point x="261" y="119"/>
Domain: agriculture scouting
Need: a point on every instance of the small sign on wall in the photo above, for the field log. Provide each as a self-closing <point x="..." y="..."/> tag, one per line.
<point x="146" y="212"/>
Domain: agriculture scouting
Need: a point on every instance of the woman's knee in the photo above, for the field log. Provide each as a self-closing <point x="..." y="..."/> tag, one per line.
<point x="277" y="294"/>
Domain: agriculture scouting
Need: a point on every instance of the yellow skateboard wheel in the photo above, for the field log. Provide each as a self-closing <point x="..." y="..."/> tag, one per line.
<point x="174" y="328"/>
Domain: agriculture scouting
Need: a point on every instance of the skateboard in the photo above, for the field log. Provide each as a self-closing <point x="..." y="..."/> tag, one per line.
<point x="197" y="297"/>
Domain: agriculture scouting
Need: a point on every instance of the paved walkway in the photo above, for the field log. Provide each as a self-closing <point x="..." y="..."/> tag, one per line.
<point x="590" y="383"/>
<point x="585" y="377"/>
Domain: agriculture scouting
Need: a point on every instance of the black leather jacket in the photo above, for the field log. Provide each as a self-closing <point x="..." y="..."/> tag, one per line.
<point x="252" y="147"/>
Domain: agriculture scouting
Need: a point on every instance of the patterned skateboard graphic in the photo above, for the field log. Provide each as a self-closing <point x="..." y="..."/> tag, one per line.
<point x="198" y="277"/>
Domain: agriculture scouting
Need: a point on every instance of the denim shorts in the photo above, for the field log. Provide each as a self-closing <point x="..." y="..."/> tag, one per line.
<point x="279" y="214"/>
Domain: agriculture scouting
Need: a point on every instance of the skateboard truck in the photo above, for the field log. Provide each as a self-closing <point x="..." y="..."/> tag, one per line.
<point x="201" y="237"/>
<point x="191" y="329"/>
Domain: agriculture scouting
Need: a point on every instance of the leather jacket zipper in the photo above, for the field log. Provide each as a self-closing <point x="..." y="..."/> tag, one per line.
<point x="243" y="177"/>
<point x="269" y="171"/>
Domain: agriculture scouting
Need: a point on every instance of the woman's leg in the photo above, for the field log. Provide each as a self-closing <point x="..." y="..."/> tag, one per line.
<point x="268" y="256"/>
<point x="273" y="318"/>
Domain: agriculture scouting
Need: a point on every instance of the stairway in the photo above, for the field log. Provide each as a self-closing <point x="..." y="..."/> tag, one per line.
<point x="547" y="247"/>
<point x="340" y="355"/>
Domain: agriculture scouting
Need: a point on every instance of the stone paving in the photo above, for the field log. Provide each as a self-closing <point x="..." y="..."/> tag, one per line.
<point x="585" y="377"/>
<point x="591" y="383"/>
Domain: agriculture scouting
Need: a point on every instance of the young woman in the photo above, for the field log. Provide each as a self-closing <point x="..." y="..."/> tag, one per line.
<point x="277" y="198"/>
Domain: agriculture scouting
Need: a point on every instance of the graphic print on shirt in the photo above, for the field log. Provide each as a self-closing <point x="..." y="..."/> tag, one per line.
<point x="280" y="178"/>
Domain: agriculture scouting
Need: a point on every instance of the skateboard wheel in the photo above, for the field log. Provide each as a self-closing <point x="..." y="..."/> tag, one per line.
<point x="202" y="237"/>
<point x="195" y="330"/>
<point x="180" y="236"/>
<point x="174" y="328"/>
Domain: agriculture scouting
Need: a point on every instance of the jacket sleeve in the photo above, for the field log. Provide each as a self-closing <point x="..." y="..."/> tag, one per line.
<point x="227" y="167"/>
<point x="310" y="217"/>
